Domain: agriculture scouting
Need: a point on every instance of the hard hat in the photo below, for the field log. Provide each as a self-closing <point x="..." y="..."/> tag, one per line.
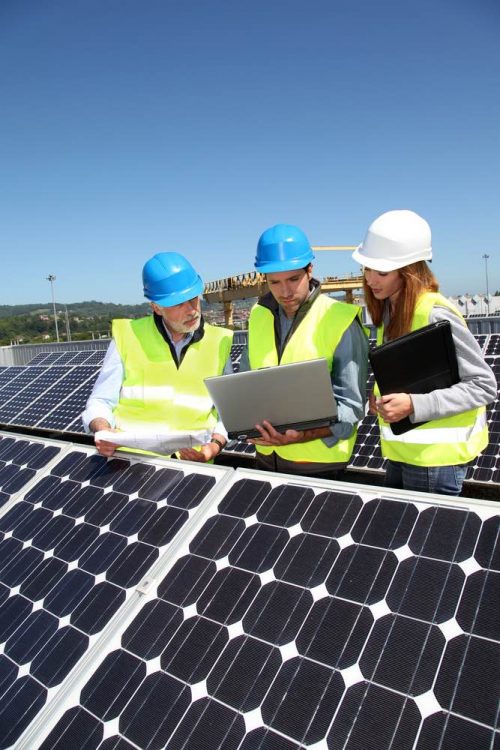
<point x="395" y="239"/>
<point x="169" y="279"/>
<point x="282" y="248"/>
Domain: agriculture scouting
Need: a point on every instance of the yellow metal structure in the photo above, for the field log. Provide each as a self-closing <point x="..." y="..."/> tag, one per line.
<point x="254" y="284"/>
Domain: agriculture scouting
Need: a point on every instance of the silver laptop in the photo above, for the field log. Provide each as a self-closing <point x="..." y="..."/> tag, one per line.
<point x="297" y="396"/>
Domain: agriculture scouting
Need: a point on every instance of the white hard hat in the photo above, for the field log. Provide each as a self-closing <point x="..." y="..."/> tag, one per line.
<point x="395" y="239"/>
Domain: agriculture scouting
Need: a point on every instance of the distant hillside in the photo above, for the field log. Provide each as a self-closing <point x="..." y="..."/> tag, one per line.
<point x="89" y="309"/>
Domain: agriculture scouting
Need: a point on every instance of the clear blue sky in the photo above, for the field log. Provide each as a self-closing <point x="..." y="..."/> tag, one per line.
<point x="130" y="127"/>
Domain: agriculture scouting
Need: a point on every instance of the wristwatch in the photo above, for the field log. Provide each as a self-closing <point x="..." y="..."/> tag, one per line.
<point x="219" y="442"/>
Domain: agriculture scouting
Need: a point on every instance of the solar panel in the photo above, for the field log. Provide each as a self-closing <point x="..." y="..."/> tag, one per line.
<point x="21" y="460"/>
<point x="53" y="357"/>
<point x="29" y="393"/>
<point x="25" y="377"/>
<point x="486" y="467"/>
<point x="493" y="345"/>
<point x="96" y="358"/>
<point x="75" y="426"/>
<point x="79" y="358"/>
<point x="303" y="615"/>
<point x="73" y="551"/>
<point x="63" y="415"/>
<point x="481" y="339"/>
<point x="38" y="359"/>
<point x="54" y="396"/>
<point x="8" y="374"/>
<point x="236" y="352"/>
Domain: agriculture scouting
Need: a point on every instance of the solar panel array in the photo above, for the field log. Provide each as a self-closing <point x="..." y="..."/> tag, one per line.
<point x="288" y="615"/>
<point x="74" y="548"/>
<point x="51" y="393"/>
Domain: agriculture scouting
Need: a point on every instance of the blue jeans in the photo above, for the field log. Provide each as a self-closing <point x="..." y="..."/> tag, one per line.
<point x="444" y="480"/>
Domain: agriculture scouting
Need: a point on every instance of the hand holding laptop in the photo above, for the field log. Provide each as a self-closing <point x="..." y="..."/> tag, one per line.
<point x="290" y="398"/>
<point x="270" y="436"/>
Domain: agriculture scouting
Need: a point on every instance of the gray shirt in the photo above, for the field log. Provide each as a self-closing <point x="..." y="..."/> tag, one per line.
<point x="477" y="386"/>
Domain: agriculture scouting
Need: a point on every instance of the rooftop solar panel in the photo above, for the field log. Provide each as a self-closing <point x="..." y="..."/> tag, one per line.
<point x="53" y="396"/>
<point x="24" y="378"/>
<point x="493" y="345"/>
<point x="25" y="397"/>
<point x="53" y="357"/>
<point x="481" y="339"/>
<point x="64" y="358"/>
<point x="63" y="415"/>
<point x="96" y="358"/>
<point x="38" y="359"/>
<point x="75" y="426"/>
<point x="303" y="615"/>
<point x="236" y="352"/>
<point x="73" y="550"/>
<point x="21" y="460"/>
<point x="9" y="373"/>
<point x="79" y="358"/>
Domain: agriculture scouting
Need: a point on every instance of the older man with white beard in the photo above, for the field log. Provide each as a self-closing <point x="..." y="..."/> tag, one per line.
<point x="153" y="373"/>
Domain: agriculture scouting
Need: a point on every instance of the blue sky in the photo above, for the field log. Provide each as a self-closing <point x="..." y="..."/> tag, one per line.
<point x="130" y="127"/>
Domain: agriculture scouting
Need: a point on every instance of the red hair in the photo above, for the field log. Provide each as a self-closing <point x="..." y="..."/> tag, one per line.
<point x="417" y="278"/>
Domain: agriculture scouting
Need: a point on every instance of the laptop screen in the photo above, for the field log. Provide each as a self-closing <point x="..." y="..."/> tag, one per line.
<point x="294" y="396"/>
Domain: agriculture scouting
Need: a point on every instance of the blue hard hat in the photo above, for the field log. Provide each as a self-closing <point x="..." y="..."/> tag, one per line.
<point x="283" y="248"/>
<point x="169" y="279"/>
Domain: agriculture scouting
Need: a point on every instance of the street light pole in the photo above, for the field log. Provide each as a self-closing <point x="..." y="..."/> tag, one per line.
<point x="52" y="278"/>
<point x="68" y="331"/>
<point x="485" y="257"/>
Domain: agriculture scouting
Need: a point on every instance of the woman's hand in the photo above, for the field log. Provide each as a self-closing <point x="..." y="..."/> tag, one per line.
<point x="394" y="406"/>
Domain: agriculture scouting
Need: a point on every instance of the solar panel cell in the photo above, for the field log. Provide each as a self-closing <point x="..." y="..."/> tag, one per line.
<point x="193" y="649"/>
<point x="64" y="649"/>
<point x="148" y="637"/>
<point x="79" y="730"/>
<point x="113" y="684"/>
<point x="303" y="700"/>
<point x="277" y="612"/>
<point x="98" y="607"/>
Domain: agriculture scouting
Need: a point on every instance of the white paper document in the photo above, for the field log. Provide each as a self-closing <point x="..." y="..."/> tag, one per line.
<point x="158" y="442"/>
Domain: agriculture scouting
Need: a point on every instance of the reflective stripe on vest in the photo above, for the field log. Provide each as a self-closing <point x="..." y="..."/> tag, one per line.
<point x="145" y="397"/>
<point x="442" y="442"/>
<point x="317" y="335"/>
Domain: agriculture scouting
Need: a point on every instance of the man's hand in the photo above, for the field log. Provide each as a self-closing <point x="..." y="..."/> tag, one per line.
<point x="103" y="447"/>
<point x="394" y="406"/>
<point x="269" y="436"/>
<point x="207" y="452"/>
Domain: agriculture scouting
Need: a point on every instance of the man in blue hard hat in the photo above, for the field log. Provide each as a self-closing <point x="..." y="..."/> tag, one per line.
<point x="295" y="322"/>
<point x="153" y="374"/>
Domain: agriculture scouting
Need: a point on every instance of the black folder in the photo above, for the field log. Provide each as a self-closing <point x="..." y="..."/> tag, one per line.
<point x="419" y="362"/>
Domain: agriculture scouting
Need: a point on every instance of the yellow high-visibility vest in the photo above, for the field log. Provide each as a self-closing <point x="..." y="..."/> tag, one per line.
<point x="155" y="394"/>
<point x="317" y="335"/>
<point x="441" y="442"/>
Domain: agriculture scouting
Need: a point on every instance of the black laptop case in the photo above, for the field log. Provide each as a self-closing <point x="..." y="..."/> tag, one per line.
<point x="419" y="362"/>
